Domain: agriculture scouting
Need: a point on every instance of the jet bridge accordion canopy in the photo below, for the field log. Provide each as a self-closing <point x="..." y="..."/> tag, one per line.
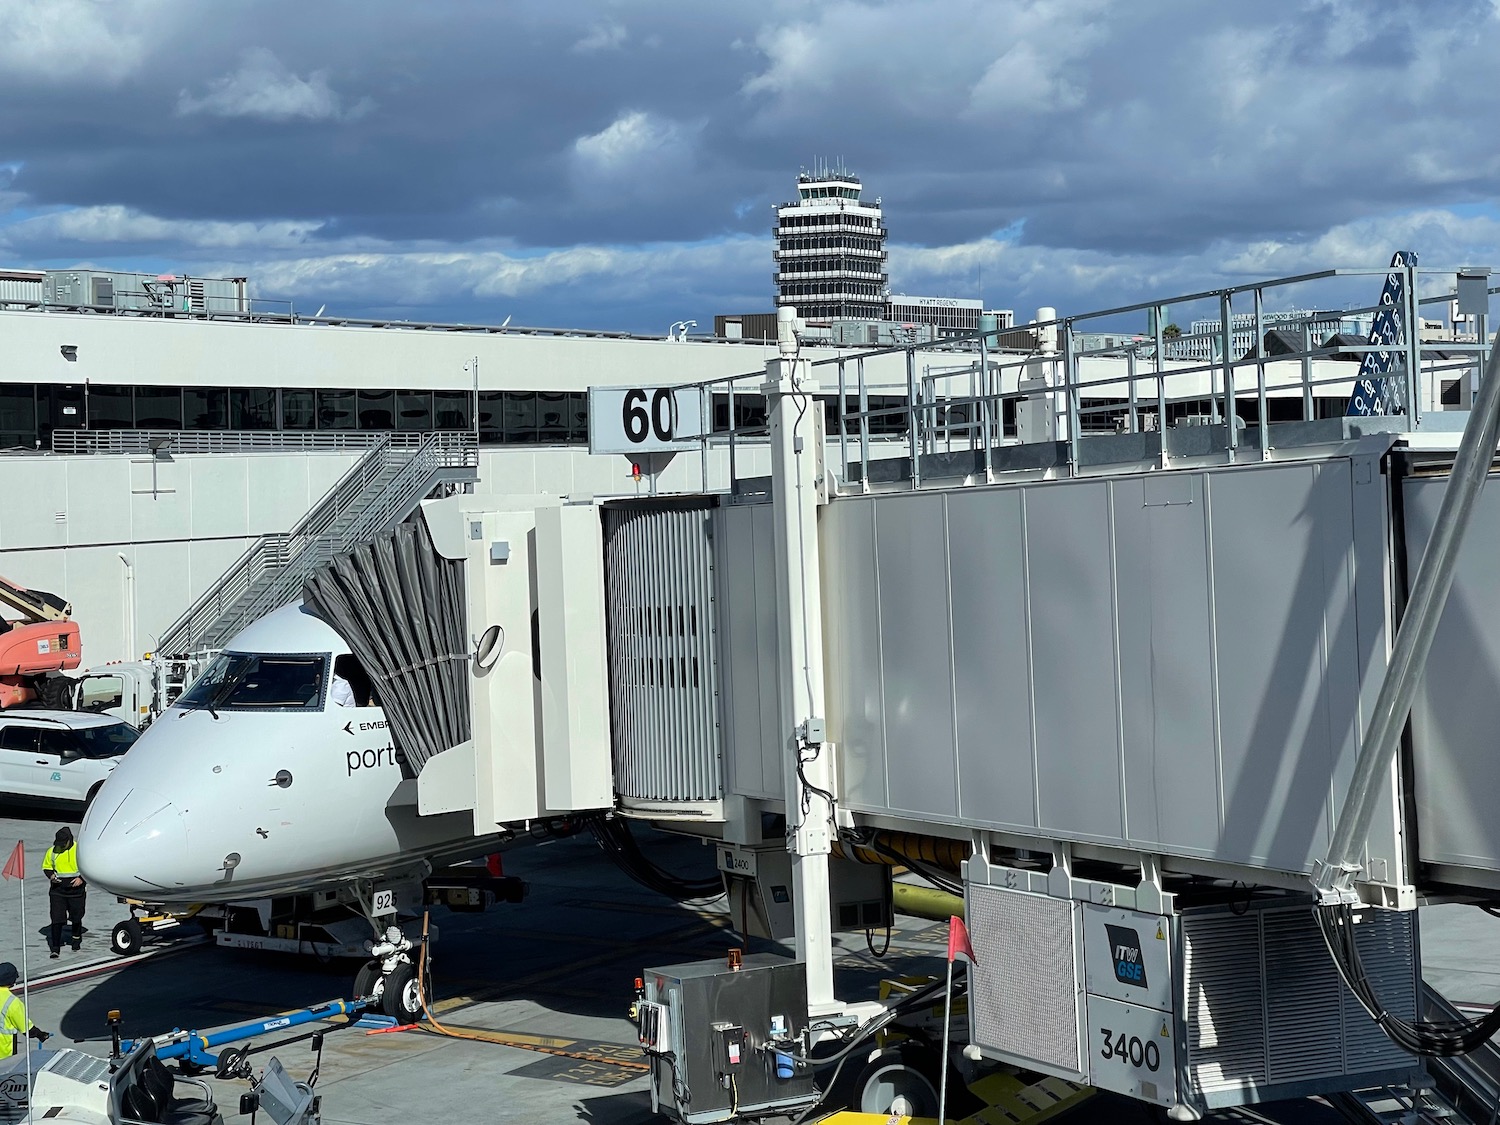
<point x="400" y="606"/>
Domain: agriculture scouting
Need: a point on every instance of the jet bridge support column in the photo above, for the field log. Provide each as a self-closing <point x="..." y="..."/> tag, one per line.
<point x="807" y="761"/>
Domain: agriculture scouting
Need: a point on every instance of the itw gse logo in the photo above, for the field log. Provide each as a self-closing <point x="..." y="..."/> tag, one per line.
<point x="1125" y="949"/>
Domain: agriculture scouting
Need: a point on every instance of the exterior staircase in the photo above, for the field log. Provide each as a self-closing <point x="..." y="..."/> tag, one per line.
<point x="380" y="490"/>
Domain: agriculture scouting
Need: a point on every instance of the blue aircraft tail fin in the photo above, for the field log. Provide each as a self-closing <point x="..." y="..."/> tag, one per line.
<point x="1380" y="386"/>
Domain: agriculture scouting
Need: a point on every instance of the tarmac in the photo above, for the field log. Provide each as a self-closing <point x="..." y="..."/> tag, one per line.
<point x="543" y="987"/>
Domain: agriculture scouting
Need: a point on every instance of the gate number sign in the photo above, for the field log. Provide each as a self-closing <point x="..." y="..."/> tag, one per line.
<point x="645" y="419"/>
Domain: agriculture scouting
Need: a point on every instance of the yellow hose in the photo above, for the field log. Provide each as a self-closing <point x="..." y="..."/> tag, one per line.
<point x="926" y="902"/>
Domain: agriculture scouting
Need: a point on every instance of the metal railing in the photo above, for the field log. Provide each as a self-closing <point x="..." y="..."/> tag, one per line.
<point x="379" y="490"/>
<point x="1069" y="395"/>
<point x="228" y="441"/>
<point x="1470" y="1083"/>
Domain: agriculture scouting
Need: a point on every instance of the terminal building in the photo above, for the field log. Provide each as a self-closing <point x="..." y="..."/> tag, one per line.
<point x="882" y="645"/>
<point x="150" y="443"/>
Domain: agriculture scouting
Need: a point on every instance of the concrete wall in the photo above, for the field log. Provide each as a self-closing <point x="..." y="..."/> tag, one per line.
<point x="151" y="351"/>
<point x="68" y="520"/>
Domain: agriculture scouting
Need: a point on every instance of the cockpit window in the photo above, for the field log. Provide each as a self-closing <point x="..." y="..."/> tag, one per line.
<point x="238" y="681"/>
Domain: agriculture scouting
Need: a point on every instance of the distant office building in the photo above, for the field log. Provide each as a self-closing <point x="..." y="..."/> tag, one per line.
<point x="1205" y="335"/>
<point x="951" y="316"/>
<point x="830" y="250"/>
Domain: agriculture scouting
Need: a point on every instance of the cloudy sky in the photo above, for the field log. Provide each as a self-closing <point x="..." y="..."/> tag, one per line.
<point x="614" y="165"/>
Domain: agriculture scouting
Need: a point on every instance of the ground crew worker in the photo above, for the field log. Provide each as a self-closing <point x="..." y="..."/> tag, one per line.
<point x="67" y="893"/>
<point x="13" y="1021"/>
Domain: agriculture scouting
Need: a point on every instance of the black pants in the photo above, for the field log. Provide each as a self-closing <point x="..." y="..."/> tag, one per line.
<point x="67" y="906"/>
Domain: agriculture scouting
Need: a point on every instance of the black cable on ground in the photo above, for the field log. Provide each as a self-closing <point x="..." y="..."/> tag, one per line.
<point x="1422" y="1037"/>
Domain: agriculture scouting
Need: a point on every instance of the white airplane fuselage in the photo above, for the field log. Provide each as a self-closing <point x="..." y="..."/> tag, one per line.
<point x="234" y="798"/>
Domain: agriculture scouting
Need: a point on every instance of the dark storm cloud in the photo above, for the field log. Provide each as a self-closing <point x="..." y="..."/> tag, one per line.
<point x="595" y="162"/>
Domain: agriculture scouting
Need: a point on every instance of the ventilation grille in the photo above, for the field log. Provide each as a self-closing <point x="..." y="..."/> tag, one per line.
<point x="1266" y="1007"/>
<point x="79" y="1067"/>
<point x="1385" y="947"/>
<point x="662" y="682"/>
<point x="1024" y="991"/>
<point x="1226" y="1013"/>
<point x="1305" y="1022"/>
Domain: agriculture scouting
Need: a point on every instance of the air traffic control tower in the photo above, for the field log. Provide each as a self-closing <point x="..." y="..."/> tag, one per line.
<point x="830" y="249"/>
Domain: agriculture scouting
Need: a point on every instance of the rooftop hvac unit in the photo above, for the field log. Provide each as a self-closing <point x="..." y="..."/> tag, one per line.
<point x="1210" y="1007"/>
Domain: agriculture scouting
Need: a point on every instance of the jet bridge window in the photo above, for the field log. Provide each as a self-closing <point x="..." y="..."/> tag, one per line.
<point x="258" y="682"/>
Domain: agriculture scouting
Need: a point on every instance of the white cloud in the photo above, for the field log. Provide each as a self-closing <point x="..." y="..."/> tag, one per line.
<point x="1038" y="68"/>
<point x="264" y="88"/>
<point x="637" y="159"/>
<point x="632" y="137"/>
<point x="601" y="37"/>
<point x="113" y="224"/>
<point x="1440" y="237"/>
<point x="936" y="58"/>
<point x="78" y="41"/>
<point x="606" y="273"/>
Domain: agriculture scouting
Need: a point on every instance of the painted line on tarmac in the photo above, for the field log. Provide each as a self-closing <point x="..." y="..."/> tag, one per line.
<point x="628" y="1056"/>
<point x="99" y="968"/>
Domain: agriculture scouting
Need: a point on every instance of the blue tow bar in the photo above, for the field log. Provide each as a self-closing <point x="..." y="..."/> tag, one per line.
<point x="196" y="1048"/>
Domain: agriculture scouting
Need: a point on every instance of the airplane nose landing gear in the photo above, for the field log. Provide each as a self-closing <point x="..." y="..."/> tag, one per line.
<point x="390" y="977"/>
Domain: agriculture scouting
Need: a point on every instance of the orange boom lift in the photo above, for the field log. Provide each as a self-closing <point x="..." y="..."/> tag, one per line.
<point x="34" y="649"/>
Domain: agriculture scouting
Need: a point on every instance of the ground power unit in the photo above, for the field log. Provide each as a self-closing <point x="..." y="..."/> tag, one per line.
<point x="712" y="1035"/>
<point x="1206" y="1007"/>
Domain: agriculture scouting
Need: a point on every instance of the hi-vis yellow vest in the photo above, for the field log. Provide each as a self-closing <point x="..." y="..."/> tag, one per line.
<point x="63" y="863"/>
<point x="13" y="1022"/>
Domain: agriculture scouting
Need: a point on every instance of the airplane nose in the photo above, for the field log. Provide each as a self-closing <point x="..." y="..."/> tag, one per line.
<point x="134" y="846"/>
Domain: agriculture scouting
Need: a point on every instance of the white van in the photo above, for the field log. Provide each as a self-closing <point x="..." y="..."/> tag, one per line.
<point x="58" y="757"/>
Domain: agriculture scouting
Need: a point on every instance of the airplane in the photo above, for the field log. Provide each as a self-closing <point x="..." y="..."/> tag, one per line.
<point x="256" y="782"/>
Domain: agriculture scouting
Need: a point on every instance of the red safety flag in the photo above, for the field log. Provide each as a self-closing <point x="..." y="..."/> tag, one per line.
<point x="958" y="940"/>
<point x="15" y="866"/>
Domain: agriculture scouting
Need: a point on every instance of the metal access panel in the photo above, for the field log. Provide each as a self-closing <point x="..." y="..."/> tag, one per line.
<point x="747" y="645"/>
<point x="718" y="1064"/>
<point x="1456" y="715"/>
<point x="1173" y="663"/>
<point x="1213" y="1007"/>
<point x="762" y="897"/>
<point x="1026" y="989"/>
<point x="663" y="682"/>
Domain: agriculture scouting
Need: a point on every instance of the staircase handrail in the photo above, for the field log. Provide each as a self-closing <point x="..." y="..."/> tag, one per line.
<point x="269" y="551"/>
<point x="320" y="536"/>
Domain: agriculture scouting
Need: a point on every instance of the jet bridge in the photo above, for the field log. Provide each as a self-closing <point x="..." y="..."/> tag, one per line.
<point x="1131" y="674"/>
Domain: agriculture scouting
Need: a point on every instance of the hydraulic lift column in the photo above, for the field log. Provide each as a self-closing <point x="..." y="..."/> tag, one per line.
<point x="807" y="760"/>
